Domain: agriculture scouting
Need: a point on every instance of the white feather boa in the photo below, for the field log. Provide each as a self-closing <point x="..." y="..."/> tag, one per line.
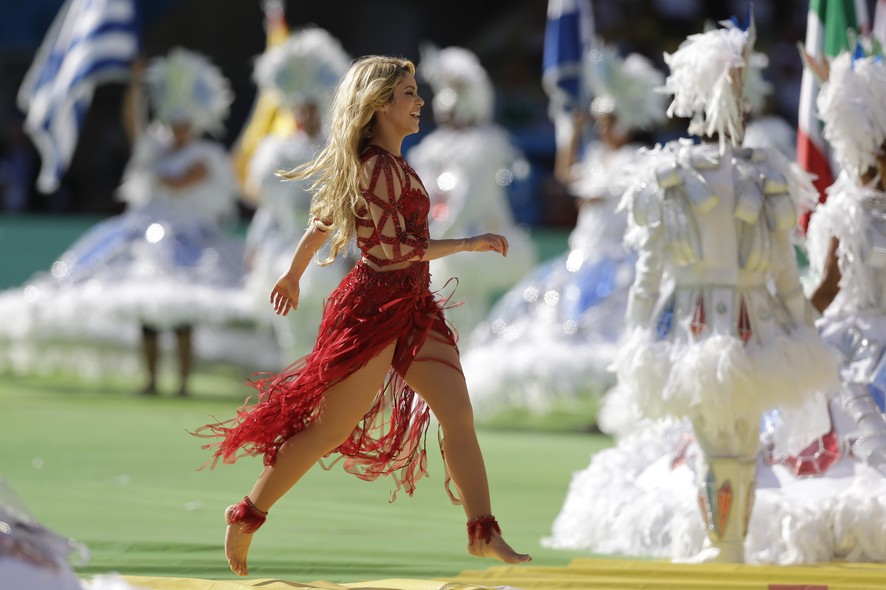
<point x="719" y="378"/>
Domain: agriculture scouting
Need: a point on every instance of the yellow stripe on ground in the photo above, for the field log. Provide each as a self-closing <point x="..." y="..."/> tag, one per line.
<point x="599" y="574"/>
<point x="580" y="574"/>
<point x="158" y="583"/>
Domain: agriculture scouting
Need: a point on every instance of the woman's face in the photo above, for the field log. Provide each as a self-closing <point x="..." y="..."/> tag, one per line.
<point x="182" y="132"/>
<point x="307" y="115"/>
<point x="604" y="125"/>
<point x="402" y="113"/>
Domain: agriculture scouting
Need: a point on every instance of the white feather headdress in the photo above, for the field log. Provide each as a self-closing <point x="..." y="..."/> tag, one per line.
<point x="625" y="87"/>
<point x="715" y="80"/>
<point x="306" y="68"/>
<point x="852" y="106"/>
<point x="462" y="89"/>
<point x="186" y="87"/>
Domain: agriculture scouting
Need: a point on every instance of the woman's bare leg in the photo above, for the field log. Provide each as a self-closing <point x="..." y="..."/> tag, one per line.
<point x="344" y="404"/>
<point x="184" y="349"/>
<point x="151" y="356"/>
<point x="443" y="386"/>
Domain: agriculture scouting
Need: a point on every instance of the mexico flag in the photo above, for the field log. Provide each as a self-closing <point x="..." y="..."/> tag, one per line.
<point x="828" y="28"/>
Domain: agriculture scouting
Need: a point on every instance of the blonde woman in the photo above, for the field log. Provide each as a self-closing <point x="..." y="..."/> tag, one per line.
<point x="383" y="336"/>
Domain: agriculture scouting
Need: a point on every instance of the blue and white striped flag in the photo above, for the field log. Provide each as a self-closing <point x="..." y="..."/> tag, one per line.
<point x="568" y="37"/>
<point x="90" y="42"/>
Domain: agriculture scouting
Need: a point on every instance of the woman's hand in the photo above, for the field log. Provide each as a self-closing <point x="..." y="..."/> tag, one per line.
<point x="284" y="295"/>
<point x="487" y="243"/>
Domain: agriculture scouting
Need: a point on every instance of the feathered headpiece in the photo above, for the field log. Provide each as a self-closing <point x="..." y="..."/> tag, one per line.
<point x="186" y="87"/>
<point x="306" y="68"/>
<point x="851" y="105"/>
<point x="715" y="80"/>
<point x="462" y="89"/>
<point x="625" y="88"/>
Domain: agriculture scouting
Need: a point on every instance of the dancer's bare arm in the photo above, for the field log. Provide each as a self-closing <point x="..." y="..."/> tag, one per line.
<point x="284" y="295"/>
<point x="829" y="286"/>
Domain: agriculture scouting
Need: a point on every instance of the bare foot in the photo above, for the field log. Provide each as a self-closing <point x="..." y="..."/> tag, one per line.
<point x="236" y="545"/>
<point x="497" y="549"/>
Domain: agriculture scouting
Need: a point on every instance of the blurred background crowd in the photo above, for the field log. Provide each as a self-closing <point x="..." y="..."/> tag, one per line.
<point x="507" y="36"/>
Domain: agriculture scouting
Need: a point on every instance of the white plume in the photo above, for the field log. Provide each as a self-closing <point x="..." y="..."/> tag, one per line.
<point x="186" y="87"/>
<point x="462" y="89"/>
<point x="851" y="105"/>
<point x="625" y="88"/>
<point x="306" y="68"/>
<point x="714" y="82"/>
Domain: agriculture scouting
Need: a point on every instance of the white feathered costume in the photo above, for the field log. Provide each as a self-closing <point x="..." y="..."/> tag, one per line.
<point x="551" y="338"/>
<point x="167" y="261"/>
<point x="719" y="332"/>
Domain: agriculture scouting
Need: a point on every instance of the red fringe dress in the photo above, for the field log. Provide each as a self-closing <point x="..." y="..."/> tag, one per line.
<point x="368" y="311"/>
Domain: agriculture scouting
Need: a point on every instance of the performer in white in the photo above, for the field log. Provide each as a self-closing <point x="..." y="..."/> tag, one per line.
<point x="551" y="338"/>
<point x="302" y="73"/>
<point x="32" y="556"/>
<point x="168" y="262"/>
<point x="846" y="243"/>
<point x="468" y="163"/>
<point x="719" y="328"/>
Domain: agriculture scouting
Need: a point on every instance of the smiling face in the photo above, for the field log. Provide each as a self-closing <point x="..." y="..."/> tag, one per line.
<point x="401" y="115"/>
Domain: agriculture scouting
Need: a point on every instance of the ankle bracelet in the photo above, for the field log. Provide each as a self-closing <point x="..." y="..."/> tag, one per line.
<point x="247" y="516"/>
<point x="482" y="527"/>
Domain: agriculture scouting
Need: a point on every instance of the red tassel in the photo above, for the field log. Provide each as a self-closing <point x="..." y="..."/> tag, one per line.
<point x="481" y="528"/>
<point x="246" y="515"/>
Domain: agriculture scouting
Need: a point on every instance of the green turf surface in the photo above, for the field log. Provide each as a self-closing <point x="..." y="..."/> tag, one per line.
<point x="118" y="473"/>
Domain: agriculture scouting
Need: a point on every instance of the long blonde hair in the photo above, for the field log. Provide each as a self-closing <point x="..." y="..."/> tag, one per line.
<point x="368" y="85"/>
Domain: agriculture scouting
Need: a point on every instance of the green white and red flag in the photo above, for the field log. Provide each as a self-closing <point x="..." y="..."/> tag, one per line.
<point x="828" y="27"/>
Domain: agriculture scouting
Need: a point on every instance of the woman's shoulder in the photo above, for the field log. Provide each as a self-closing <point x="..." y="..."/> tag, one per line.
<point x="377" y="155"/>
<point x="374" y="159"/>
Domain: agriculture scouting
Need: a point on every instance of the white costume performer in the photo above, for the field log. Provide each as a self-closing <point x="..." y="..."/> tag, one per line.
<point x="167" y="262"/>
<point x="32" y="556"/>
<point x="719" y="328"/>
<point x="467" y="164"/>
<point x="302" y="73"/>
<point x="552" y="336"/>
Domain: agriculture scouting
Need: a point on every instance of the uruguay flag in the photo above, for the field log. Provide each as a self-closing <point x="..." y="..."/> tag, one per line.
<point x="90" y="42"/>
<point x="568" y="36"/>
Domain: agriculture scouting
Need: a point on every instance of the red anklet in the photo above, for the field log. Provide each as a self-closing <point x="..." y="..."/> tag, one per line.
<point x="246" y="515"/>
<point x="482" y="527"/>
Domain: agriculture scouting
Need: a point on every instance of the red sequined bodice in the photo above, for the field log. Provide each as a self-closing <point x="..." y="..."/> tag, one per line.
<point x="396" y="211"/>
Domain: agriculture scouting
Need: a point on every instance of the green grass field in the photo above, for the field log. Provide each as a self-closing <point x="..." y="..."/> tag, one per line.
<point x="119" y="473"/>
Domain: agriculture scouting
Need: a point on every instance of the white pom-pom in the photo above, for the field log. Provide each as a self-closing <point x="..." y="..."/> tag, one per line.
<point x="186" y="87"/>
<point x="463" y="92"/>
<point x="306" y="68"/>
<point x="714" y="80"/>
<point x="851" y="105"/>
<point x="625" y="87"/>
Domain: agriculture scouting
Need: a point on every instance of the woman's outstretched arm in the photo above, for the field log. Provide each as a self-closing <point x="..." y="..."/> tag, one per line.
<point x="284" y="295"/>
